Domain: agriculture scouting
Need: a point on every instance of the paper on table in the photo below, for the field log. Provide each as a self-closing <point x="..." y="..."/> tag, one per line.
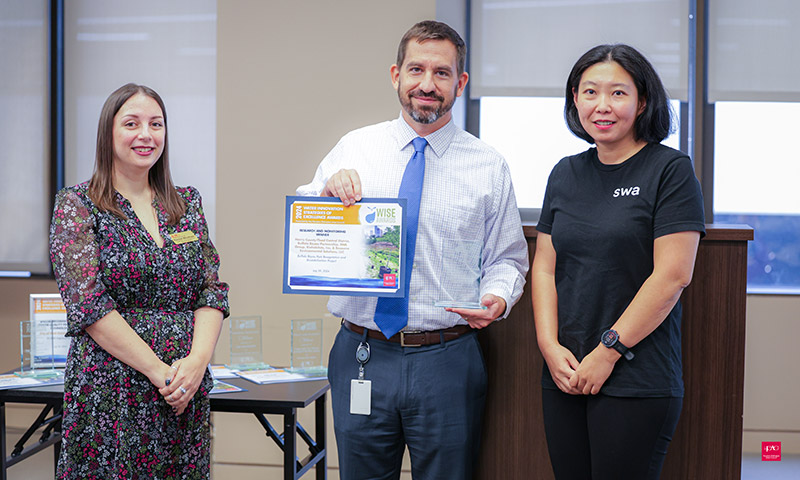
<point x="221" y="371"/>
<point x="10" y="380"/>
<point x="275" y="375"/>
<point x="222" y="387"/>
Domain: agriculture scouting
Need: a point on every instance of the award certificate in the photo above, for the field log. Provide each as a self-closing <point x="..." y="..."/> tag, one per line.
<point x="49" y="343"/>
<point x="330" y="249"/>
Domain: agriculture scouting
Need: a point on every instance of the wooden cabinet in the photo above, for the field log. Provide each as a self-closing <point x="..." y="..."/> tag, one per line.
<point x="708" y="439"/>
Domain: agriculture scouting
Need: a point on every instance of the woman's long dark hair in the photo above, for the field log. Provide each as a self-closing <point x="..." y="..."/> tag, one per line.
<point x="654" y="124"/>
<point x="101" y="188"/>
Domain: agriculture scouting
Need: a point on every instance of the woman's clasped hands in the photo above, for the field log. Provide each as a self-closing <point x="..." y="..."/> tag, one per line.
<point x="181" y="381"/>
<point x="580" y="378"/>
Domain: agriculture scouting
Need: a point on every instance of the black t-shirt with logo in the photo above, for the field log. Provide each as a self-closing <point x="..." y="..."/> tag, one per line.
<point x="603" y="220"/>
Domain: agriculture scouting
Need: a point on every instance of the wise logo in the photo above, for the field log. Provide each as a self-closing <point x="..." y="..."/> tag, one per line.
<point x="770" y="451"/>
<point x="381" y="215"/>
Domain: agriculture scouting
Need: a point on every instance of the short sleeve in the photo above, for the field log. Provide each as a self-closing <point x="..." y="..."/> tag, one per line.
<point x="545" y="223"/>
<point x="679" y="206"/>
<point x="213" y="292"/>
<point x="75" y="255"/>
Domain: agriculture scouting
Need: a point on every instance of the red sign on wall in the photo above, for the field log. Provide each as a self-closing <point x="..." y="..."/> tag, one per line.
<point x="770" y="451"/>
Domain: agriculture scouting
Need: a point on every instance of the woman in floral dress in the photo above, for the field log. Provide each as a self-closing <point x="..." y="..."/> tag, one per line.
<point x="138" y="275"/>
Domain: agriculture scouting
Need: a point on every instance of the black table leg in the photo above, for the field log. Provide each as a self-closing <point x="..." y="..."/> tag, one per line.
<point x="56" y="451"/>
<point x="3" y="446"/>
<point x="320" y="433"/>
<point x="290" y="445"/>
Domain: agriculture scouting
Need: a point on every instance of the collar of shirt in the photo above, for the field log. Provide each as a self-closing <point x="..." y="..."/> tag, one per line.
<point x="438" y="140"/>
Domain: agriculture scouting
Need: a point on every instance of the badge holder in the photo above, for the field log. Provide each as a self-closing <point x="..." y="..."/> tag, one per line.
<point x="361" y="389"/>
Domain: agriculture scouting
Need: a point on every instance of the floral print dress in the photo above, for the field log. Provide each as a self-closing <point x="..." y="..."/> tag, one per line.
<point x="116" y="425"/>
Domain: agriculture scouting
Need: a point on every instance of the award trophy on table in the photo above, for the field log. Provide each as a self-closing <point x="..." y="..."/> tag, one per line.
<point x="306" y="356"/>
<point x="43" y="344"/>
<point x="460" y="274"/>
<point x="246" y="352"/>
<point x="37" y="355"/>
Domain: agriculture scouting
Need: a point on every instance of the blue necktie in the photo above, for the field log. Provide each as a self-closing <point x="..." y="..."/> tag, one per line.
<point x="391" y="314"/>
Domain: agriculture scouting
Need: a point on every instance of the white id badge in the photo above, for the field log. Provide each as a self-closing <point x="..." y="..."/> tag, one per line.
<point x="360" y="397"/>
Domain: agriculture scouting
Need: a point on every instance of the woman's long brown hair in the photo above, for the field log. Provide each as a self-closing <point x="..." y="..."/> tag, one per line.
<point x="101" y="188"/>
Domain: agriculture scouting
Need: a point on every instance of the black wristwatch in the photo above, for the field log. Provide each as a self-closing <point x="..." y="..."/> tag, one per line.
<point x="610" y="339"/>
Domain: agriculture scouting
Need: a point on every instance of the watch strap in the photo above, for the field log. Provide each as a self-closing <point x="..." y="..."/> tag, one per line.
<point x="623" y="350"/>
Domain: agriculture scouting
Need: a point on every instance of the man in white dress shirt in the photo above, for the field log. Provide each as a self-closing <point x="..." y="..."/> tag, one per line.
<point x="428" y="382"/>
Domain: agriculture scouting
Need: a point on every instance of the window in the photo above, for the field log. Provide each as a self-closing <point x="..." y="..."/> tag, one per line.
<point x="756" y="168"/>
<point x="521" y="55"/>
<point x="168" y="46"/>
<point x="752" y="83"/>
<point x="521" y="52"/>
<point x="530" y="132"/>
<point x="25" y="137"/>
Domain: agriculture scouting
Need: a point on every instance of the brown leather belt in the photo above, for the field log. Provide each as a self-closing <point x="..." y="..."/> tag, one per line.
<point x="413" y="338"/>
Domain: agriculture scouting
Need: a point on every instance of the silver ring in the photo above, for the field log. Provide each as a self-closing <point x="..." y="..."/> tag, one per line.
<point x="173" y="367"/>
<point x="183" y="390"/>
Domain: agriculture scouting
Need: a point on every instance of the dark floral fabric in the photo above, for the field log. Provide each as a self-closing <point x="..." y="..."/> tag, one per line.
<point x="116" y="425"/>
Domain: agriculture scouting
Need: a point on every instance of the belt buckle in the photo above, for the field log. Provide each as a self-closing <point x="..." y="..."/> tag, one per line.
<point x="403" y="338"/>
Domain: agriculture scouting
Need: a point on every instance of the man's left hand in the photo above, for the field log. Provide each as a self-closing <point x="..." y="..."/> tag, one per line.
<point x="480" y="317"/>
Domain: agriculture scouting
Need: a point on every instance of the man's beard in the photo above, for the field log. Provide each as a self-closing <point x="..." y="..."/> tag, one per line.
<point x="425" y="116"/>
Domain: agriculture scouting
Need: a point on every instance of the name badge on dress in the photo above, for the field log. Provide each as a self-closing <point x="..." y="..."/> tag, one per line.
<point x="183" y="237"/>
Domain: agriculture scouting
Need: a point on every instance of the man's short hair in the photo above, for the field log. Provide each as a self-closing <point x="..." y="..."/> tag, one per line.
<point x="433" y="30"/>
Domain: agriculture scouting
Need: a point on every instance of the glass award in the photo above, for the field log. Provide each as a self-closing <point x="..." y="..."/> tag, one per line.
<point x="460" y="274"/>
<point x="246" y="353"/>
<point x="37" y="356"/>
<point x="306" y="354"/>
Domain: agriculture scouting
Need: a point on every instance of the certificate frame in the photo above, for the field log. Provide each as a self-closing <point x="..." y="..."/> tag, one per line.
<point x="327" y="249"/>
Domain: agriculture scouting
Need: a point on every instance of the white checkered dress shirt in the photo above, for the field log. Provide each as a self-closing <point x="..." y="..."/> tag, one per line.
<point x="467" y="195"/>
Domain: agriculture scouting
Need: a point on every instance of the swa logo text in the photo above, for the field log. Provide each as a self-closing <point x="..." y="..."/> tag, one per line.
<point x="624" y="192"/>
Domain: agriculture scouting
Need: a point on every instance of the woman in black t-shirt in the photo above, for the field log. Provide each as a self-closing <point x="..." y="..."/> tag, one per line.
<point x="618" y="235"/>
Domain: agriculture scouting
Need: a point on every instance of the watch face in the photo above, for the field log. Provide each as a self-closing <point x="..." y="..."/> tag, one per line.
<point x="609" y="338"/>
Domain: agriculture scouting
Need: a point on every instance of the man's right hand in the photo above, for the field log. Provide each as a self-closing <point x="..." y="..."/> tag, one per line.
<point x="344" y="184"/>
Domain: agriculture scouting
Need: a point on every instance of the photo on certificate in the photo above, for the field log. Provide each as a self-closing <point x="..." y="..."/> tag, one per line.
<point x="330" y="249"/>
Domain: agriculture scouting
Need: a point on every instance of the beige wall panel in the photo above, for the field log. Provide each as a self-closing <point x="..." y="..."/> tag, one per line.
<point x="238" y="437"/>
<point x="790" y="441"/>
<point x="292" y="78"/>
<point x="771" y="381"/>
<point x="20" y="416"/>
